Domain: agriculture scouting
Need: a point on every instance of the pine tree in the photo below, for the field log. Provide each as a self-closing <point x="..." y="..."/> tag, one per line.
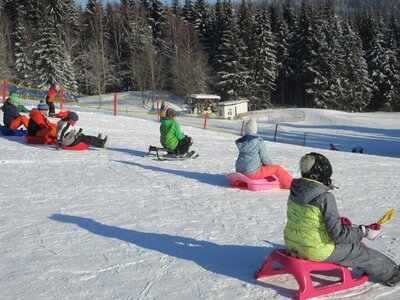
<point x="264" y="68"/>
<point x="356" y="83"/>
<point x="230" y="72"/>
<point x="23" y="63"/>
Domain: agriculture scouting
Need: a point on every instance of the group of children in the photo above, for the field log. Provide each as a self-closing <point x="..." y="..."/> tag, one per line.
<point x="314" y="229"/>
<point x="39" y="125"/>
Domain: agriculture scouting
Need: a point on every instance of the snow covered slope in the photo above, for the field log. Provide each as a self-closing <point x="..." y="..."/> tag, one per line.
<point x="115" y="224"/>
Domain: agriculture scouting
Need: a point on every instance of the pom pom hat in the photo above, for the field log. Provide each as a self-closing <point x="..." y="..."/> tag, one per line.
<point x="250" y="128"/>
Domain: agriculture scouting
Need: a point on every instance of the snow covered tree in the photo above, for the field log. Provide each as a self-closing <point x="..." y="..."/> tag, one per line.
<point x="22" y="61"/>
<point x="356" y="84"/>
<point x="188" y="11"/>
<point x="230" y="72"/>
<point x="263" y="72"/>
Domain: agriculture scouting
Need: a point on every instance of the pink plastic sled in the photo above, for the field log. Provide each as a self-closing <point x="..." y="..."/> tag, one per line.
<point x="301" y="270"/>
<point x="77" y="147"/>
<point x="242" y="181"/>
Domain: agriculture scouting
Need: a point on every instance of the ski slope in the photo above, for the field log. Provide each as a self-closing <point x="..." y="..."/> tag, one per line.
<point x="115" y="224"/>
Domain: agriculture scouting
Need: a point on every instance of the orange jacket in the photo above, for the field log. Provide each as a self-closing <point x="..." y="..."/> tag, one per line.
<point x="51" y="94"/>
<point x="37" y="122"/>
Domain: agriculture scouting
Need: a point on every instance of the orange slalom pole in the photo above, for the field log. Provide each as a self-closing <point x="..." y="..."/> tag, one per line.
<point x="4" y="90"/>
<point x="205" y="120"/>
<point x="61" y="98"/>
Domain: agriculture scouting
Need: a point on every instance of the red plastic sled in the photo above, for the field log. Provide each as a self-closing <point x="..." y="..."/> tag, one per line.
<point x="242" y="181"/>
<point x="77" y="147"/>
<point x="40" y="140"/>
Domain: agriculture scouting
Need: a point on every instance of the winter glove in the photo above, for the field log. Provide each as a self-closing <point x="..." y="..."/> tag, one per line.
<point x="371" y="231"/>
<point x="345" y="221"/>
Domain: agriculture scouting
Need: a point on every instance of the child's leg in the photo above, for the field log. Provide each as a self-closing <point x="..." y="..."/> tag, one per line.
<point x="43" y="132"/>
<point x="284" y="177"/>
<point x="18" y="121"/>
<point x="183" y="145"/>
<point x="361" y="257"/>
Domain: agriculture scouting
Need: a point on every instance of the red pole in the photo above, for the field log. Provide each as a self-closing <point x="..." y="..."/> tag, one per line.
<point x="241" y="130"/>
<point x="4" y="90"/>
<point x="115" y="105"/>
<point x="158" y="113"/>
<point x="61" y="98"/>
<point x="205" y="120"/>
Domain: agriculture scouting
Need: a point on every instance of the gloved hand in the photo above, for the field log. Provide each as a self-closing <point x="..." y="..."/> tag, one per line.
<point x="345" y="221"/>
<point x="371" y="231"/>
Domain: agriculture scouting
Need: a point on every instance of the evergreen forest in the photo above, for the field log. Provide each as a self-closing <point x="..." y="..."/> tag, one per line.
<point x="342" y="54"/>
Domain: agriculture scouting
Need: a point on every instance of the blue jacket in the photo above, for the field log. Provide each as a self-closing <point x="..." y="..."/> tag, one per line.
<point x="252" y="154"/>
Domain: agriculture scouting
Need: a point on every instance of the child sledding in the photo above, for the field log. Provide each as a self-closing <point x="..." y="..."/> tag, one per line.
<point x="68" y="137"/>
<point x="175" y="143"/>
<point x="254" y="164"/>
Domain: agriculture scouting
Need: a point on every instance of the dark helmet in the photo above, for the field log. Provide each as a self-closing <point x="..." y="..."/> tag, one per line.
<point x="316" y="166"/>
<point x="73" y="116"/>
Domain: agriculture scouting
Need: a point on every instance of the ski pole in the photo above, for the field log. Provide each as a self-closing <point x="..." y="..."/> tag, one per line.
<point x="386" y="217"/>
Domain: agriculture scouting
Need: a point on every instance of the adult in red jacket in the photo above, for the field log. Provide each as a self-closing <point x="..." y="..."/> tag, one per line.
<point x="39" y="125"/>
<point x="50" y="98"/>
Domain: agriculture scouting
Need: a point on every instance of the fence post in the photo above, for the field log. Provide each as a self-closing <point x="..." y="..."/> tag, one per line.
<point x="276" y="131"/>
<point x="4" y="90"/>
<point x="205" y="120"/>
<point x="61" y="98"/>
<point x="304" y="143"/>
<point x="115" y="104"/>
<point x="241" y="130"/>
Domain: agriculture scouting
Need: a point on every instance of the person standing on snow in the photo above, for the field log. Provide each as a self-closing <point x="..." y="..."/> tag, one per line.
<point x="172" y="138"/>
<point x="50" y="98"/>
<point x="67" y="135"/>
<point x="253" y="160"/>
<point x="315" y="231"/>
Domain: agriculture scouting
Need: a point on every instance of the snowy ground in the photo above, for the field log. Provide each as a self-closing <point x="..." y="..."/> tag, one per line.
<point x="115" y="224"/>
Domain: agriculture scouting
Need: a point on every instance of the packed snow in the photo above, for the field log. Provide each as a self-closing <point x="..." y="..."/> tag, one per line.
<point x="115" y="223"/>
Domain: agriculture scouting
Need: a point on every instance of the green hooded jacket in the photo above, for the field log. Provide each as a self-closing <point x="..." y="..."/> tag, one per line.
<point x="313" y="223"/>
<point x="171" y="133"/>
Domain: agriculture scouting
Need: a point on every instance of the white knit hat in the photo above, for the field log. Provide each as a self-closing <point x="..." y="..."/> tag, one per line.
<point x="250" y="128"/>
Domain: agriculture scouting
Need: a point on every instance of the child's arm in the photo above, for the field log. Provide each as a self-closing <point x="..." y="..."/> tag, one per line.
<point x="178" y="133"/>
<point x="338" y="232"/>
<point x="265" y="160"/>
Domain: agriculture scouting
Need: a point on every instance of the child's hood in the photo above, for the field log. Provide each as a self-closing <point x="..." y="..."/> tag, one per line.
<point x="247" y="142"/>
<point x="303" y="190"/>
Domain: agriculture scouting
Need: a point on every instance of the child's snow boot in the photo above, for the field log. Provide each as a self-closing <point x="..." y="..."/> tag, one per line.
<point x="104" y="142"/>
<point x="395" y="280"/>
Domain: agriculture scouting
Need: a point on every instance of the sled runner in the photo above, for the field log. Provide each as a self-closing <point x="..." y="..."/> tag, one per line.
<point x="40" y="140"/>
<point x="302" y="269"/>
<point x="170" y="155"/>
<point x="240" y="180"/>
<point x="10" y="132"/>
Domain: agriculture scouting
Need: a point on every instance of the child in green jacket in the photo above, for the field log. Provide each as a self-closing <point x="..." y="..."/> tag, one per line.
<point x="315" y="230"/>
<point x="172" y="138"/>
